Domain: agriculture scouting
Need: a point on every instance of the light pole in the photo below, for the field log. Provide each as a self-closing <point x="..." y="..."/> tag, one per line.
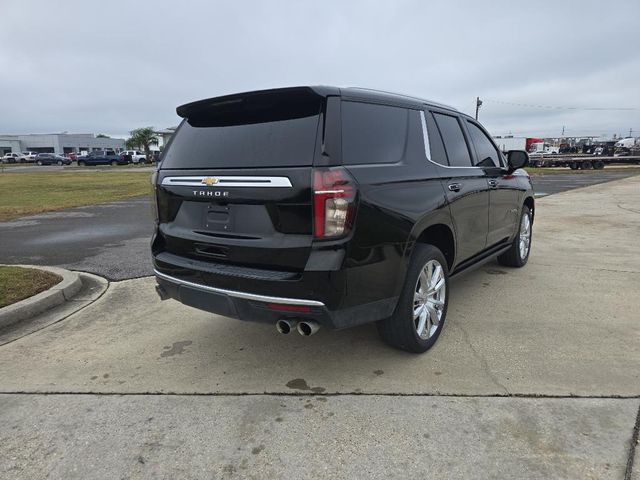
<point x="478" y="105"/>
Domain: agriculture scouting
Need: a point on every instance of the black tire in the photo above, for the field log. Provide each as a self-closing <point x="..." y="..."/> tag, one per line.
<point x="60" y="162"/>
<point x="39" y="163"/>
<point x="82" y="163"/>
<point x="399" y="330"/>
<point x="513" y="257"/>
<point x="573" y="166"/>
<point x="598" y="165"/>
<point x="586" y="165"/>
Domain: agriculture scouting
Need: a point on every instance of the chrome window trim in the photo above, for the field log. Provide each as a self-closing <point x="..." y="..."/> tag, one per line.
<point x="227" y="181"/>
<point x="425" y="135"/>
<point x="236" y="294"/>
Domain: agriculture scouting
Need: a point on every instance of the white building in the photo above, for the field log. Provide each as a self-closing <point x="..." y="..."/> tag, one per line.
<point x="57" y="143"/>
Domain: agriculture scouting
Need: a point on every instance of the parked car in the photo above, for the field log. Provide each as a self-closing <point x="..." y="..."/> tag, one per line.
<point x="101" y="157"/>
<point x="334" y="207"/>
<point x="51" y="159"/>
<point x="10" y="158"/>
<point x="27" y="157"/>
<point x="134" y="156"/>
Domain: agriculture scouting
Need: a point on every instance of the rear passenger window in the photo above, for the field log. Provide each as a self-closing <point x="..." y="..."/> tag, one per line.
<point x="373" y="133"/>
<point x="438" y="154"/>
<point x="454" y="141"/>
<point x="487" y="154"/>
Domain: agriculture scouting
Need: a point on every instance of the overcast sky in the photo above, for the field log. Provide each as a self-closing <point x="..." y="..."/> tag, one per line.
<point x="110" y="66"/>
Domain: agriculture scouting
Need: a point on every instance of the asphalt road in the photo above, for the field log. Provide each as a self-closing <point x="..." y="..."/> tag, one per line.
<point x="553" y="183"/>
<point x="112" y="239"/>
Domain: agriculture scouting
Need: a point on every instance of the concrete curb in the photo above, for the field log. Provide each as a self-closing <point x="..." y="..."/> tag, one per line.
<point x="43" y="301"/>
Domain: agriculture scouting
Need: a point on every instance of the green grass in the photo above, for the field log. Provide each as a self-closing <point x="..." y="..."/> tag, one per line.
<point x="31" y="193"/>
<point x="17" y="283"/>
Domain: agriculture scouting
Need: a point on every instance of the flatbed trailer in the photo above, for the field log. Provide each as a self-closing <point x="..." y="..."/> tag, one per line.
<point x="580" y="162"/>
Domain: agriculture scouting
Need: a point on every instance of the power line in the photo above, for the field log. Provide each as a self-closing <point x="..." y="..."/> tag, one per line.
<point x="549" y="107"/>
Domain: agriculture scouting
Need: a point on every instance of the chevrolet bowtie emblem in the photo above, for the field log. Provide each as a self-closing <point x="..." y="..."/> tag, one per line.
<point x="209" y="181"/>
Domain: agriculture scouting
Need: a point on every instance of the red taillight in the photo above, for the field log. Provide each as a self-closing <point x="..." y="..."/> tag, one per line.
<point x="333" y="202"/>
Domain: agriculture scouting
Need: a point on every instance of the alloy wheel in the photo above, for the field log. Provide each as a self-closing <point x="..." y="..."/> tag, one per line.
<point x="429" y="299"/>
<point x="525" y="236"/>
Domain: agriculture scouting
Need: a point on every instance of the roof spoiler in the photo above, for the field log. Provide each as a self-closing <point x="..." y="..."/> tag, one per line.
<point x="292" y="93"/>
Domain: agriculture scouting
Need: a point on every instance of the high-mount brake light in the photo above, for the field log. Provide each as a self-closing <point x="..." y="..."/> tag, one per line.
<point x="334" y="195"/>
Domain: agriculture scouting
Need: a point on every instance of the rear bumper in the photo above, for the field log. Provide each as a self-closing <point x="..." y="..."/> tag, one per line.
<point x="239" y="299"/>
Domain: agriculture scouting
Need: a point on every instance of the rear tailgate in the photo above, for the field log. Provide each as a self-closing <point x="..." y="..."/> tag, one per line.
<point x="242" y="219"/>
<point x="235" y="182"/>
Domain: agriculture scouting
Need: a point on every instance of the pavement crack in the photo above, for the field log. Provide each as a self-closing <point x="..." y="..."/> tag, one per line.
<point x="628" y="209"/>
<point x="531" y="396"/>
<point x="633" y="446"/>
<point x="481" y="359"/>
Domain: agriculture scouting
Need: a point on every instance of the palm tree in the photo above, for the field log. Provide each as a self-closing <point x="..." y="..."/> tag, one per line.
<point x="142" y="138"/>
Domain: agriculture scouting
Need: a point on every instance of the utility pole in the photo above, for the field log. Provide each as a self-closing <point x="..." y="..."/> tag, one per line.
<point x="630" y="130"/>
<point x="563" y="130"/>
<point x="478" y="105"/>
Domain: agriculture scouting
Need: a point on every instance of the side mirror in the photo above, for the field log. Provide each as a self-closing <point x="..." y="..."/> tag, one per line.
<point x="517" y="159"/>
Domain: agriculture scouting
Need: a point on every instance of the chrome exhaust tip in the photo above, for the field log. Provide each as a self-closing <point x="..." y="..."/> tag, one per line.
<point x="285" y="326"/>
<point x="308" y="328"/>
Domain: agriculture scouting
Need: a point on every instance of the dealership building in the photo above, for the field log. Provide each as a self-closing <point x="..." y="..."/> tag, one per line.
<point x="57" y="143"/>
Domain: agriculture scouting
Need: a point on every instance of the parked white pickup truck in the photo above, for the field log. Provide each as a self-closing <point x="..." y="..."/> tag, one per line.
<point x="136" y="156"/>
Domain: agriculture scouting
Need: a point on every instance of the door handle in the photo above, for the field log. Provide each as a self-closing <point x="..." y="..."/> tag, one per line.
<point x="454" y="187"/>
<point x="493" y="183"/>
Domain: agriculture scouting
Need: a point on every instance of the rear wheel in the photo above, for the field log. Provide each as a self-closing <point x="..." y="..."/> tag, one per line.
<point x="60" y="162"/>
<point x="598" y="165"/>
<point x="39" y="162"/>
<point x="518" y="253"/>
<point x="586" y="165"/>
<point x="422" y="307"/>
<point x="573" y="166"/>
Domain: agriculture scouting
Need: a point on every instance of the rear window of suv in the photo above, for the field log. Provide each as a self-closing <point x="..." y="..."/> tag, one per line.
<point x="373" y="133"/>
<point x="256" y="131"/>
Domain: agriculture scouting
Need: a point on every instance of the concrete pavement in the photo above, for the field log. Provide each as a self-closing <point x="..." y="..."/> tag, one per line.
<point x="566" y="325"/>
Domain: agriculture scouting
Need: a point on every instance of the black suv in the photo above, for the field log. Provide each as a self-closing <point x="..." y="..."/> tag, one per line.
<point x="320" y="206"/>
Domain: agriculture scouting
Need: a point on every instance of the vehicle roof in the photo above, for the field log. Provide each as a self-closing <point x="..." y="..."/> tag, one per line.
<point x="352" y="93"/>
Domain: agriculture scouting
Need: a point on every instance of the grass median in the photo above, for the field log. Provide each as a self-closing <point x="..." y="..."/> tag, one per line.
<point x="17" y="283"/>
<point x="32" y="193"/>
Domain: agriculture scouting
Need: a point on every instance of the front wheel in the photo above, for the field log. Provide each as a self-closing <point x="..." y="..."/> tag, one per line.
<point x="518" y="253"/>
<point x="422" y="307"/>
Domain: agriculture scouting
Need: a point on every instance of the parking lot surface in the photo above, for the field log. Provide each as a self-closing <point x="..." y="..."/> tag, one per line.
<point x="536" y="375"/>
<point x="548" y="184"/>
<point x="109" y="239"/>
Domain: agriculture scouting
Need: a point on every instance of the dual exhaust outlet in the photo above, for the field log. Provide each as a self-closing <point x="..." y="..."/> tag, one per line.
<point x="306" y="328"/>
